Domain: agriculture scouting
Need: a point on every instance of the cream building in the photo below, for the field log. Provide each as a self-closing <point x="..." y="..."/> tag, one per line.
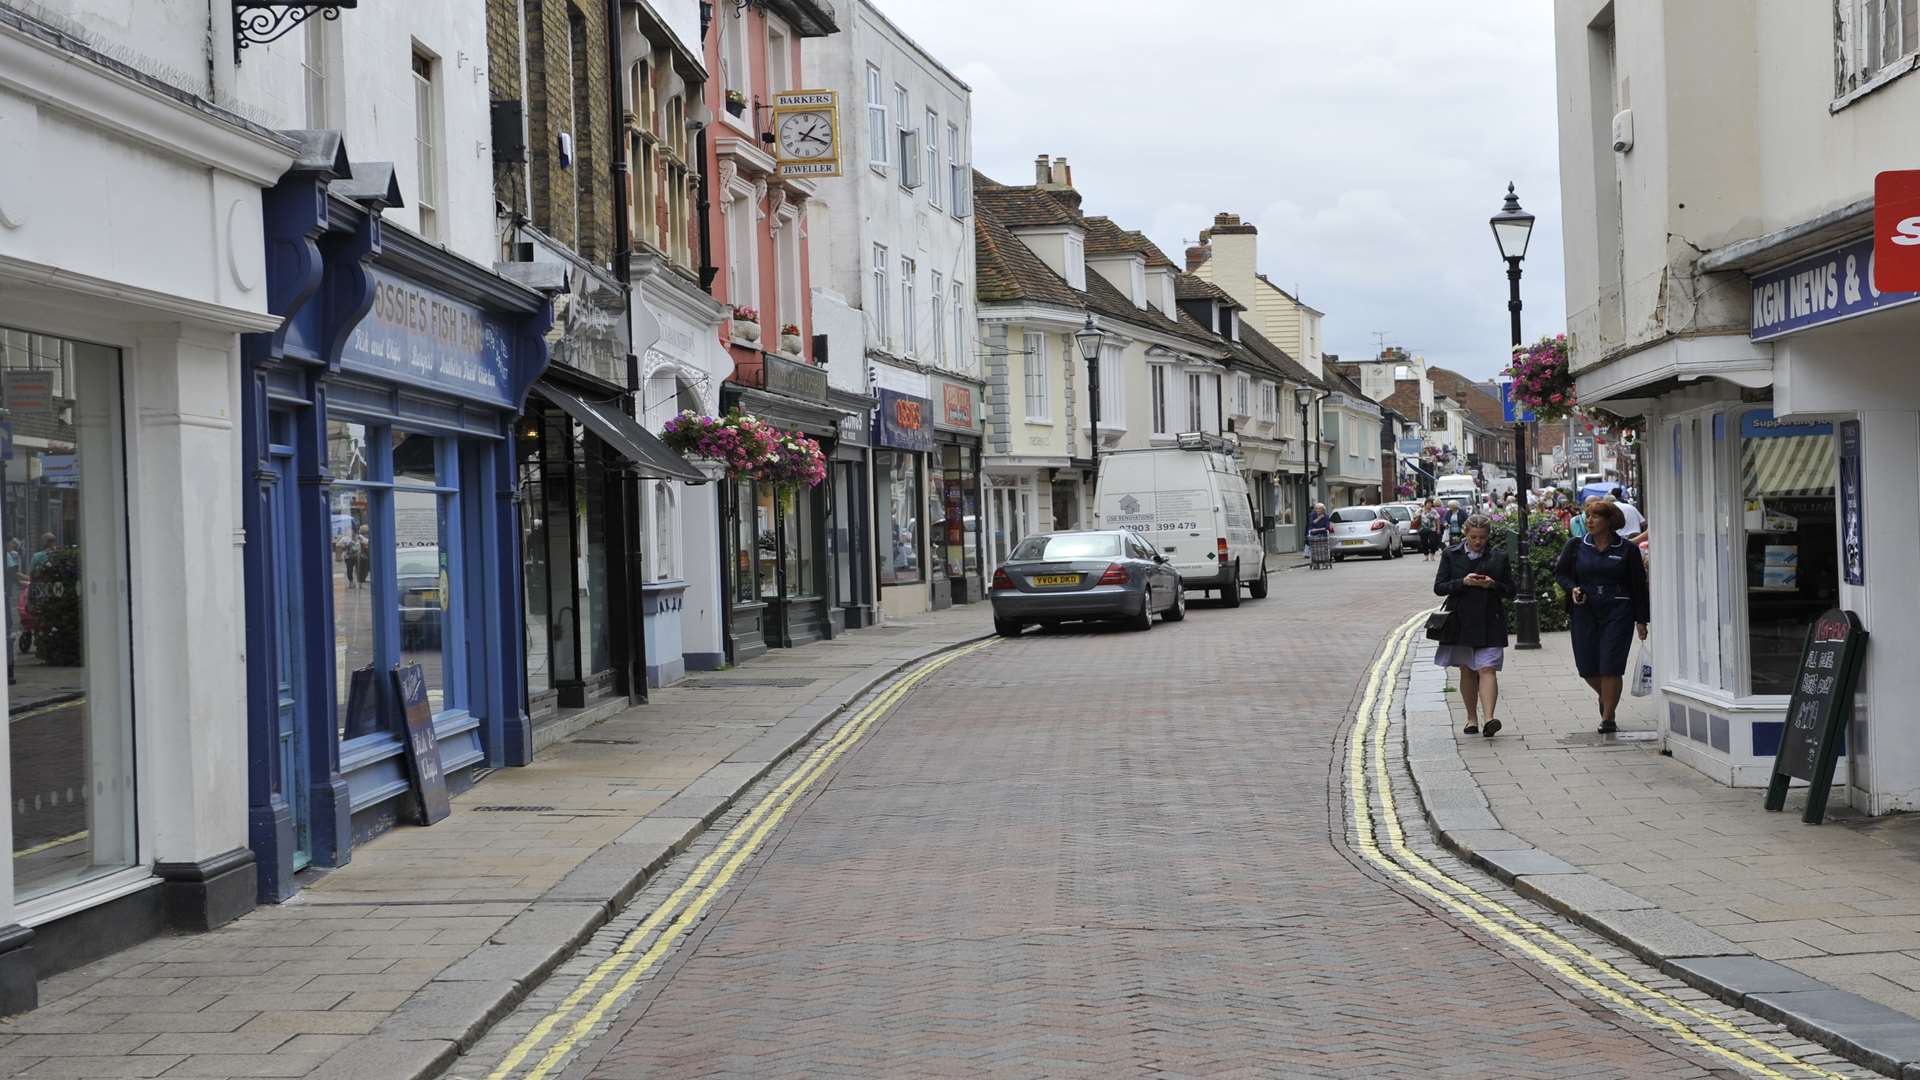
<point x="1717" y="174"/>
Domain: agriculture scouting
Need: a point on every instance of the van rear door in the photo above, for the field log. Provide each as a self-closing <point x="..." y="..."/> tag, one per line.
<point x="1165" y="496"/>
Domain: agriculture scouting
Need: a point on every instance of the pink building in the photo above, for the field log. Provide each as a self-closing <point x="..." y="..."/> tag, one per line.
<point x="780" y="587"/>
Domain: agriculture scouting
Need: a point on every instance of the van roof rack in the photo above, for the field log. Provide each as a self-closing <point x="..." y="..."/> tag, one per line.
<point x="1201" y="440"/>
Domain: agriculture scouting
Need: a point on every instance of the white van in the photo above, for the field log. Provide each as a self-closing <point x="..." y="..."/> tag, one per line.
<point x="1457" y="486"/>
<point x="1192" y="503"/>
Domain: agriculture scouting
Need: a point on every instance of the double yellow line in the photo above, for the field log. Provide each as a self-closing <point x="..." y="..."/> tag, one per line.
<point x="684" y="906"/>
<point x="1367" y="779"/>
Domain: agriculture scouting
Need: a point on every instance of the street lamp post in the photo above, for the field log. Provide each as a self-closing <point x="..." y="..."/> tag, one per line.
<point x="1512" y="228"/>
<point x="1089" y="339"/>
<point x="1304" y="395"/>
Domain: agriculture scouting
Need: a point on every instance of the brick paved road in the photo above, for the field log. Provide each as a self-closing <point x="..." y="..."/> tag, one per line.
<point x="1110" y="855"/>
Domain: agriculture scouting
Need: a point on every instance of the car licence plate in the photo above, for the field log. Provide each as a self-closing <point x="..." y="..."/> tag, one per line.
<point x="1056" y="579"/>
<point x="1353" y="543"/>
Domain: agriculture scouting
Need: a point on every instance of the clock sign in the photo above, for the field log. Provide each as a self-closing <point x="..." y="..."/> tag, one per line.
<point x="806" y="133"/>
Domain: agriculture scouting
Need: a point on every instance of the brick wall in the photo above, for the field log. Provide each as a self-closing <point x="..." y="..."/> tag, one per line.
<point x="567" y="91"/>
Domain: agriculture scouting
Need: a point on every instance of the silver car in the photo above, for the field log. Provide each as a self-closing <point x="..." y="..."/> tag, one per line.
<point x="1404" y="517"/>
<point x="1364" y="530"/>
<point x="1085" y="574"/>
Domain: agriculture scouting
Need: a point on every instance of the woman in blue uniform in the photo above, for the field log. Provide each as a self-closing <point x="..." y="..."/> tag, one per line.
<point x="1475" y="579"/>
<point x="1607" y="582"/>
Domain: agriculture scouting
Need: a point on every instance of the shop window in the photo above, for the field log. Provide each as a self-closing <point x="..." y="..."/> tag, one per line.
<point x="68" y="626"/>
<point x="590" y="569"/>
<point x="1789" y="518"/>
<point x="936" y="517"/>
<point x="746" y="544"/>
<point x="665" y="565"/>
<point x="961" y="475"/>
<point x="396" y="569"/>
<point x="897" y="502"/>
<point x="533" y="555"/>
<point x="798" y="550"/>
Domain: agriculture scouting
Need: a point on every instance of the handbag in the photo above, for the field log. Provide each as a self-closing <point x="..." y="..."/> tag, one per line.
<point x="1443" y="626"/>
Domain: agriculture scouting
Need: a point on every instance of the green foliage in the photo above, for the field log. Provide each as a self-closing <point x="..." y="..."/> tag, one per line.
<point x="1546" y="536"/>
<point x="53" y="603"/>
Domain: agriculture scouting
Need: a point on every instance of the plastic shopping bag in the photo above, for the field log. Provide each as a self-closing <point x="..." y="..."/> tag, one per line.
<point x="1643" y="673"/>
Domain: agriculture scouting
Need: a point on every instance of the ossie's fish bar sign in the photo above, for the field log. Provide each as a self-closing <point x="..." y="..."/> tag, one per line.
<point x="429" y="339"/>
<point x="1819" y="289"/>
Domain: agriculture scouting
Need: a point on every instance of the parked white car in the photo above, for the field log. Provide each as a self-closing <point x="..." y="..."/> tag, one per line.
<point x="1191" y="502"/>
<point x="1364" y="530"/>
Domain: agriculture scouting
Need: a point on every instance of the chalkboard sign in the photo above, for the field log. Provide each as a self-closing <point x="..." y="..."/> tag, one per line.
<point x="1822" y="704"/>
<point x="422" y="748"/>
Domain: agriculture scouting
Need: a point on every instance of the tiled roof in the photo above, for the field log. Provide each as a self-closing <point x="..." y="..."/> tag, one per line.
<point x="1007" y="270"/>
<point x="1104" y="238"/>
<point x="1484" y="407"/>
<point x="1278" y="358"/>
<point x="1405" y="400"/>
<point x="1188" y="287"/>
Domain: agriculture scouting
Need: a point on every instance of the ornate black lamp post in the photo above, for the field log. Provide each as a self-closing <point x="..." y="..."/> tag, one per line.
<point x="1303" y="395"/>
<point x="1512" y="228"/>
<point x="1089" y="338"/>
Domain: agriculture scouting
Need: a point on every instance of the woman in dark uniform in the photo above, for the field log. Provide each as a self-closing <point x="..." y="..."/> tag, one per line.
<point x="1607" y="582"/>
<point x="1475" y="579"/>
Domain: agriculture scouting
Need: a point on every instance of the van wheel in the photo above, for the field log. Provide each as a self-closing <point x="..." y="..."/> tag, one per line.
<point x="1230" y="593"/>
<point x="1007" y="627"/>
<point x="1144" y="620"/>
<point x="1178" y="610"/>
<point x="1257" y="588"/>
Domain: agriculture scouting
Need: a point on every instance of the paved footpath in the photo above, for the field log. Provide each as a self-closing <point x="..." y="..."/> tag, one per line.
<point x="1685" y="866"/>
<point x="383" y="968"/>
<point x="1095" y="854"/>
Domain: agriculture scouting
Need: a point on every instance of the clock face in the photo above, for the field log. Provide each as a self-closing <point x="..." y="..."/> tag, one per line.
<point x="806" y="135"/>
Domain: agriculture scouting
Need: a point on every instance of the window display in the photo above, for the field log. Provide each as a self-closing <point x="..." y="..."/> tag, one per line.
<point x="897" y="503"/>
<point x="70" y="726"/>
<point x="1789" y="516"/>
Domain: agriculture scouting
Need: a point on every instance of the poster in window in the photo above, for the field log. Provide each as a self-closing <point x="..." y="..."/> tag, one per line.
<point x="1853" y="520"/>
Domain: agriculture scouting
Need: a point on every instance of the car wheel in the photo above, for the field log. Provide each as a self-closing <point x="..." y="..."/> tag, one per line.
<point x="1230" y="593"/>
<point x="1257" y="588"/>
<point x="1178" y="610"/>
<point x="1008" y="627"/>
<point x="1339" y="558"/>
<point x="1144" y="620"/>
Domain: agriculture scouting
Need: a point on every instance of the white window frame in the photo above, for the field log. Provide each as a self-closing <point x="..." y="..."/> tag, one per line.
<point x="1159" y="382"/>
<point x="902" y="103"/>
<point x="1038" y="379"/>
<point x="962" y="358"/>
<point x="1113" y="388"/>
<point x="779" y="58"/>
<point x="1870" y="60"/>
<point x="736" y="72"/>
<point x="956" y="175"/>
<point x="743" y="259"/>
<point x="786" y="268"/>
<point x="879" y="132"/>
<point x="909" y="269"/>
<point x="930" y="135"/>
<point x="1074" y="251"/>
<point x="1243" y="395"/>
<point x="316" y="64"/>
<point x="937" y="292"/>
<point x="427" y="143"/>
<point x="882" y="297"/>
<point x="1195" y="418"/>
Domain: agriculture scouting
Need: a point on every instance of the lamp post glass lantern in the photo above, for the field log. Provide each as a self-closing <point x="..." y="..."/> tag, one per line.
<point x="1512" y="231"/>
<point x="1304" y="396"/>
<point x="1089" y="339"/>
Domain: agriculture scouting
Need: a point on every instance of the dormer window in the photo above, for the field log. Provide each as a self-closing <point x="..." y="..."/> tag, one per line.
<point x="1166" y="295"/>
<point x="1232" y="323"/>
<point x="1215" y="309"/>
<point x="1076" y="261"/>
<point x="1138" y="279"/>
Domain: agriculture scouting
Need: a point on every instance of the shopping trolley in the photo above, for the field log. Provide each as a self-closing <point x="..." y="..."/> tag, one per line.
<point x="1319" y="548"/>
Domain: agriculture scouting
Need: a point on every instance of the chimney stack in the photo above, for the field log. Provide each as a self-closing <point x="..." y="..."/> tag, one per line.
<point x="1198" y="254"/>
<point x="1062" y="173"/>
<point x="1052" y="175"/>
<point x="1042" y="171"/>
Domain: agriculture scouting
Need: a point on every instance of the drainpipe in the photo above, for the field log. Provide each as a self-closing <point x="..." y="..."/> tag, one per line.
<point x="635" y="570"/>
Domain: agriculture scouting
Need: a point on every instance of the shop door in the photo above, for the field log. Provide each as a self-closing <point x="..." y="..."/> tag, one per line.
<point x="290" y="734"/>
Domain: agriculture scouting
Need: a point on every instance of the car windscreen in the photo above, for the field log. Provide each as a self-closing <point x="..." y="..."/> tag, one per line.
<point x="1086" y="546"/>
<point x="417" y="562"/>
<point x="1352" y="514"/>
<point x="1398" y="513"/>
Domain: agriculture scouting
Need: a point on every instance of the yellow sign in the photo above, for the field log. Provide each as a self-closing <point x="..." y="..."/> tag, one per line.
<point x="806" y="133"/>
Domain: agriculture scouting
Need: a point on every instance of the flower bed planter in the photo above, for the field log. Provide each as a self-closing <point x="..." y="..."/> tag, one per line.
<point x="744" y="446"/>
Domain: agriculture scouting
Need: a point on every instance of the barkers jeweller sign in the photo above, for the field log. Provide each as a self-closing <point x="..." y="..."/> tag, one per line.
<point x="1820" y="289"/>
<point x="422" y="337"/>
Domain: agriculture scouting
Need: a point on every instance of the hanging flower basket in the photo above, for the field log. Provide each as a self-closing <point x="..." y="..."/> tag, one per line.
<point x="1541" y="379"/>
<point x="745" y="447"/>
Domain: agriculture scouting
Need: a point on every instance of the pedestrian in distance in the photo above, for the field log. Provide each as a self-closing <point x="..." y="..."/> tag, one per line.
<point x="1318" y="520"/>
<point x="1456" y="521"/>
<point x="1607" y="585"/>
<point x="1475" y="578"/>
<point x="1430" y="525"/>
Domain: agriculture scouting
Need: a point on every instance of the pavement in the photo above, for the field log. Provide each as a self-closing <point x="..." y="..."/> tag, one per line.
<point x="1816" y="927"/>
<point x="385" y="968"/>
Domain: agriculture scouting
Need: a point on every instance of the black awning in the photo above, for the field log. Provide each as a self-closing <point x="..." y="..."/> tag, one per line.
<point x="650" y="456"/>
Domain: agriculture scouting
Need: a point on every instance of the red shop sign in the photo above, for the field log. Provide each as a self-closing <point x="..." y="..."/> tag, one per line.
<point x="1896" y="231"/>
<point x="959" y="405"/>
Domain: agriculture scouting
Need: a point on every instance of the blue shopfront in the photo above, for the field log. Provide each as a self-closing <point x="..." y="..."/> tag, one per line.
<point x="381" y="526"/>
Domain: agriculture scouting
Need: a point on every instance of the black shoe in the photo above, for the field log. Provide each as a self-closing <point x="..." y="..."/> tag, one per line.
<point x="1471" y="729"/>
<point x="1492" y="729"/>
<point x="1608" y="727"/>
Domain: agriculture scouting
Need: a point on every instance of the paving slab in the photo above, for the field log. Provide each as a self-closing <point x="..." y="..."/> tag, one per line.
<point x="1509" y="864"/>
<point x="1655" y="935"/>
<point x="1733" y="978"/>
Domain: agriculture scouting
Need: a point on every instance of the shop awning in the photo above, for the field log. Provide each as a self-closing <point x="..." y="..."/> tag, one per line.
<point x="650" y="456"/>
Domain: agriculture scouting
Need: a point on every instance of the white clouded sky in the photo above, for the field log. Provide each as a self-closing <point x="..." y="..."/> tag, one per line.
<point x="1370" y="141"/>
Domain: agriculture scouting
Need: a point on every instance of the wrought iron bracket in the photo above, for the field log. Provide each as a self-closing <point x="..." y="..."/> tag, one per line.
<point x="258" y="22"/>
